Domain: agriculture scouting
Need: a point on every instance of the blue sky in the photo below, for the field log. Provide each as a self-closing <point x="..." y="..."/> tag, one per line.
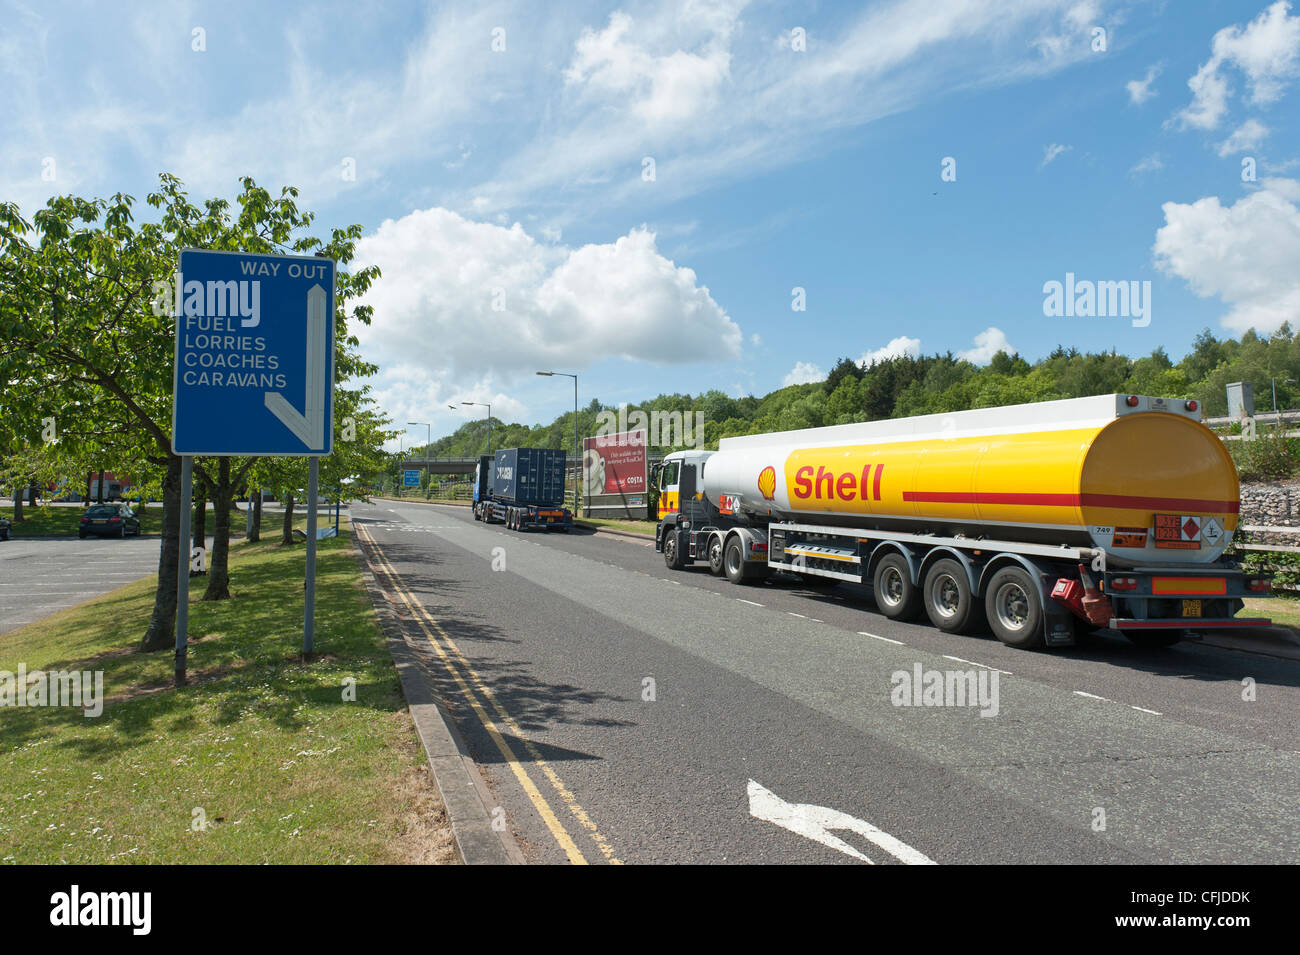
<point x="497" y="155"/>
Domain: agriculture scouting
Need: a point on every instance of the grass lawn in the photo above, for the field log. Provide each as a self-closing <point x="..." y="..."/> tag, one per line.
<point x="1284" y="611"/>
<point x="62" y="520"/>
<point x="260" y="744"/>
<point x="632" y="527"/>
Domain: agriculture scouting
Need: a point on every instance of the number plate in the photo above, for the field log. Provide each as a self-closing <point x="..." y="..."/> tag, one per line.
<point x="1191" y="608"/>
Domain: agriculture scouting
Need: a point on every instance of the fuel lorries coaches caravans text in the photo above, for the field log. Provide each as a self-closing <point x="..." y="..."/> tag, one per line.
<point x="1110" y="511"/>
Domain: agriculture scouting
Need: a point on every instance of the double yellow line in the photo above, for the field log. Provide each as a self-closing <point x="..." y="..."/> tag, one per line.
<point x="476" y="692"/>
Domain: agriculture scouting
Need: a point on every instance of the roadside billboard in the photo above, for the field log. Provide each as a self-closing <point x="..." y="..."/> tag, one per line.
<point x="614" y="474"/>
<point x="615" y="463"/>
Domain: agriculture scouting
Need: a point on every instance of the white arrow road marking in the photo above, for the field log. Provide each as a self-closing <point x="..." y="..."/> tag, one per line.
<point x="309" y="428"/>
<point x="816" y="822"/>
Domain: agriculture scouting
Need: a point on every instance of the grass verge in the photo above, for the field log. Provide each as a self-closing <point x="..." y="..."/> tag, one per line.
<point x="61" y="520"/>
<point x="631" y="527"/>
<point x="261" y="746"/>
<point x="1284" y="611"/>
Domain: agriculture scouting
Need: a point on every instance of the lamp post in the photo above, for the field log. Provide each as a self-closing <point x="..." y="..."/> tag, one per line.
<point x="488" y="406"/>
<point x="577" y="448"/>
<point x="428" y="446"/>
<point x="401" y="462"/>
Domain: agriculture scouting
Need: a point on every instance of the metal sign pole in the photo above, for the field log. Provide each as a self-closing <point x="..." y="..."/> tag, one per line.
<point x="309" y="610"/>
<point x="183" y="567"/>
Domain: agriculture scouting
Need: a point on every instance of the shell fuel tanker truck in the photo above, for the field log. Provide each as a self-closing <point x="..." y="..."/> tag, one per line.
<point x="1111" y="511"/>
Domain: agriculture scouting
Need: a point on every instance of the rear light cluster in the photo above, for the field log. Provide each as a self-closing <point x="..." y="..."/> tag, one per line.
<point x="1191" y="406"/>
<point x="1259" y="584"/>
<point x="1132" y="401"/>
<point x="1123" y="583"/>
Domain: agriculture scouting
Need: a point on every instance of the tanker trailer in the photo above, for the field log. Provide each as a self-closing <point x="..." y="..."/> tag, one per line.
<point x="1113" y="510"/>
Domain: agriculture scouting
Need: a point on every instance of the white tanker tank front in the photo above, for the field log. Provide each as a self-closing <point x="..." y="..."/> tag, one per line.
<point x="1139" y="477"/>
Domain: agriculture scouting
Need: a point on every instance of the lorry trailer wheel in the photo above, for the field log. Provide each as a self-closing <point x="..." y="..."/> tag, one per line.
<point x="733" y="561"/>
<point x="948" y="600"/>
<point x="716" y="567"/>
<point x="896" y="596"/>
<point x="1014" y="607"/>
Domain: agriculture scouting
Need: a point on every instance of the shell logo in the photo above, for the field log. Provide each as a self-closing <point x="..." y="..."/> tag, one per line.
<point x="767" y="482"/>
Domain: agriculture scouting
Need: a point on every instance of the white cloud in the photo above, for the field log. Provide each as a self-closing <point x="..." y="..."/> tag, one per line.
<point x="897" y="347"/>
<point x="1051" y="152"/>
<point x="465" y="304"/>
<point x="1267" y="51"/>
<point x="1243" y="254"/>
<point x="1249" y="135"/>
<point x="672" y="87"/>
<point x="1139" y="91"/>
<point x="1147" y="164"/>
<point x="756" y="339"/>
<point x="803" y="373"/>
<point x="986" y="344"/>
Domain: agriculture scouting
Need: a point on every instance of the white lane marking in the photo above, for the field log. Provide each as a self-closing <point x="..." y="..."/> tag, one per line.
<point x="750" y="602"/>
<point x="1143" y="709"/>
<point x="874" y="636"/>
<point x="816" y="822"/>
<point x="799" y="615"/>
<point x="1092" y="696"/>
<point x="974" y="664"/>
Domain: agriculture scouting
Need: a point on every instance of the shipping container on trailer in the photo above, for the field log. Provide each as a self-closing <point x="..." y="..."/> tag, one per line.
<point x="523" y="489"/>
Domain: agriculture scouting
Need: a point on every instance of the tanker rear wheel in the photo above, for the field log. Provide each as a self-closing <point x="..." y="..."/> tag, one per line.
<point x="716" y="567"/>
<point x="948" y="600"/>
<point x="733" y="562"/>
<point x="896" y="596"/>
<point x="1014" y="607"/>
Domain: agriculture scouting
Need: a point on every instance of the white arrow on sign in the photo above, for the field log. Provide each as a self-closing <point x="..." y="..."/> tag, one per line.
<point x="309" y="427"/>
<point x="816" y="822"/>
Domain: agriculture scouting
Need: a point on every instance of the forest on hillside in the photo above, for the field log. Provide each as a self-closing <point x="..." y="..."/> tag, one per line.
<point x="903" y="386"/>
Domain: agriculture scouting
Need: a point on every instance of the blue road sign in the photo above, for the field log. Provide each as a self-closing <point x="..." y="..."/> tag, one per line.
<point x="411" y="478"/>
<point x="254" y="368"/>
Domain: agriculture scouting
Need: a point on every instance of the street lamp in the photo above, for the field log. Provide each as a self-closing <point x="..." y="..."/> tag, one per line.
<point x="577" y="449"/>
<point x="428" y="446"/>
<point x="488" y="406"/>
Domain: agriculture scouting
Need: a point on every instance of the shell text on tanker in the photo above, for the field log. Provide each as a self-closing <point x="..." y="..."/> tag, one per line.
<point x="824" y="484"/>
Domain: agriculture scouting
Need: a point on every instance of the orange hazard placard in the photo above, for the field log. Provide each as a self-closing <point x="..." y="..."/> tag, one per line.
<point x="1170" y="532"/>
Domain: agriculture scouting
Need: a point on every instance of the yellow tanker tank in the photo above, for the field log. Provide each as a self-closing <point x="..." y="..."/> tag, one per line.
<point x="1138" y="477"/>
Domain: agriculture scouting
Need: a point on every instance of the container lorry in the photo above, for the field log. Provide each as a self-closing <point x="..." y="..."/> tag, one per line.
<point x="1111" y="511"/>
<point x="522" y="488"/>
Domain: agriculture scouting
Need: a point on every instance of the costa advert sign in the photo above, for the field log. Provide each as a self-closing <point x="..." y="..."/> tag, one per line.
<point x="615" y="463"/>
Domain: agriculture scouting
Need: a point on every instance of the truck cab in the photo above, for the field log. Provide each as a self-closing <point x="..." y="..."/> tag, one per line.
<point x="666" y="478"/>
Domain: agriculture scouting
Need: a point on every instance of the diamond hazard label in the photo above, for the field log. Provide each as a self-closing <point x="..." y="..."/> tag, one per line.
<point x="1176" y="531"/>
<point x="1211" y="530"/>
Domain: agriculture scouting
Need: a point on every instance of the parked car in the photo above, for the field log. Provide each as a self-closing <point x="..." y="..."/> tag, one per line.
<point x="109" y="520"/>
<point x="4" y="528"/>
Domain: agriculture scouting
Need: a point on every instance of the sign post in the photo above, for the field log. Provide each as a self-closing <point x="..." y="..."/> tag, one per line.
<point x="254" y="376"/>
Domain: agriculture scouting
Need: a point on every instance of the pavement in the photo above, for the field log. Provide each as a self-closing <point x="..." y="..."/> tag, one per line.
<point x="42" y="575"/>
<point x="620" y="712"/>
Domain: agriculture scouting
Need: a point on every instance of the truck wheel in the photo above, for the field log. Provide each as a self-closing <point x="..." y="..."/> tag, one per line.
<point x="1015" y="608"/>
<point x="733" y="561"/>
<point x="896" y="595"/>
<point x="671" y="557"/>
<point x="716" y="567"/>
<point x="1153" y="639"/>
<point x="948" y="600"/>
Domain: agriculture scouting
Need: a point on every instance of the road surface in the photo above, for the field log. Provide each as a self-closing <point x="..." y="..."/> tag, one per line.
<point x="625" y="713"/>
